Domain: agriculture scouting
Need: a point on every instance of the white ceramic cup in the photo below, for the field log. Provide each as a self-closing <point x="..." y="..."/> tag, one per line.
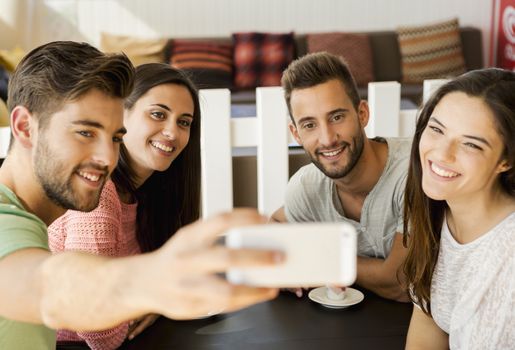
<point x="335" y="293"/>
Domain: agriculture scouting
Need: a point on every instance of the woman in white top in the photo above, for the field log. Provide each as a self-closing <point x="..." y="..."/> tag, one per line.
<point x="460" y="216"/>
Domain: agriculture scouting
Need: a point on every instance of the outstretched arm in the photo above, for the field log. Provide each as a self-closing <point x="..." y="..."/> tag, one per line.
<point x="79" y="291"/>
<point x="382" y="276"/>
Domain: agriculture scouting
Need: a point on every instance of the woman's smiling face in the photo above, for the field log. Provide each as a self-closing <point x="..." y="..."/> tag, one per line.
<point x="460" y="149"/>
<point x="158" y="128"/>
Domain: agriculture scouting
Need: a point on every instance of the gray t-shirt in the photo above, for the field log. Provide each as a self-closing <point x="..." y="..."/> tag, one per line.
<point x="312" y="197"/>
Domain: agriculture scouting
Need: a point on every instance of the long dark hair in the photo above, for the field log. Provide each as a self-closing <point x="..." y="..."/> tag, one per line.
<point x="168" y="199"/>
<point x="423" y="216"/>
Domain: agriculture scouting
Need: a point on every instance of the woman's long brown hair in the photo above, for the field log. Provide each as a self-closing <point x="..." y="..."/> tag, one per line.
<point x="423" y="216"/>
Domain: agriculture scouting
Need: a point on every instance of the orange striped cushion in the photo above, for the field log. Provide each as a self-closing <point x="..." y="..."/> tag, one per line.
<point x="209" y="64"/>
<point x="431" y="52"/>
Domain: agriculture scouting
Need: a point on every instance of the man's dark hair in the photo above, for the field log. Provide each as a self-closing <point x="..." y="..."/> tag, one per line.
<point x="62" y="71"/>
<point x="318" y="68"/>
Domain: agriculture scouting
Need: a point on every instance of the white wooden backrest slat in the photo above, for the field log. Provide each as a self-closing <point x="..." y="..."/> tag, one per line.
<point x="215" y="148"/>
<point x="386" y="117"/>
<point x="267" y="131"/>
<point x="272" y="148"/>
<point x="384" y="100"/>
<point x="430" y="86"/>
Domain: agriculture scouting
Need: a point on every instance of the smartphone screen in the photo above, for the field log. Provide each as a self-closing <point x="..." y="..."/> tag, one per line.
<point x="315" y="254"/>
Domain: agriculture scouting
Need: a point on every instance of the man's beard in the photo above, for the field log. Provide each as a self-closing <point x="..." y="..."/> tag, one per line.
<point x="52" y="175"/>
<point x="358" y="143"/>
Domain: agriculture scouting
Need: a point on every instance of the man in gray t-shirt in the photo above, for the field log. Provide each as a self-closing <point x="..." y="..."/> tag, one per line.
<point x="312" y="196"/>
<point x="351" y="178"/>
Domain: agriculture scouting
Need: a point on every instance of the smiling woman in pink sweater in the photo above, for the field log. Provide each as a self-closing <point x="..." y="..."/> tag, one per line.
<point x="154" y="190"/>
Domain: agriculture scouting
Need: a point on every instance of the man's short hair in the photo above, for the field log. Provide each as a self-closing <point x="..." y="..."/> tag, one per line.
<point x="318" y="68"/>
<point x="62" y="71"/>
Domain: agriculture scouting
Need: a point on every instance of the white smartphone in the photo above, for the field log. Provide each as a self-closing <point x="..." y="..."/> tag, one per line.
<point x="315" y="254"/>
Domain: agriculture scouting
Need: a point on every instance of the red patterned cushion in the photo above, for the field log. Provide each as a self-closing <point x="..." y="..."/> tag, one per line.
<point x="354" y="48"/>
<point x="209" y="64"/>
<point x="260" y="58"/>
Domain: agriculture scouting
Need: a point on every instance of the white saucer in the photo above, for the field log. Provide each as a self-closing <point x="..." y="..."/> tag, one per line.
<point x="352" y="297"/>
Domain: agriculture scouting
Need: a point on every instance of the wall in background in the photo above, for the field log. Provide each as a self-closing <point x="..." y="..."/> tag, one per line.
<point x="33" y="22"/>
<point x="12" y="14"/>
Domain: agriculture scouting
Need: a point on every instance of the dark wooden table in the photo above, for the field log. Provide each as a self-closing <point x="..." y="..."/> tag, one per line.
<point x="287" y="323"/>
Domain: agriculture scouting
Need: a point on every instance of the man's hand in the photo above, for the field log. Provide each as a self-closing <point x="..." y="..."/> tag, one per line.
<point x="183" y="279"/>
<point x="299" y="292"/>
<point x="278" y="216"/>
<point x="139" y="325"/>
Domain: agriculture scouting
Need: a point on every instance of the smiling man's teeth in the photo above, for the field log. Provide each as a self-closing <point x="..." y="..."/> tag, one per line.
<point x="90" y="177"/>
<point x="161" y="146"/>
<point x="333" y="153"/>
<point x="441" y="172"/>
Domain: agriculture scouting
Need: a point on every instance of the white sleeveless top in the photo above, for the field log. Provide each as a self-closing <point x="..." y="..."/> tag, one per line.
<point x="473" y="289"/>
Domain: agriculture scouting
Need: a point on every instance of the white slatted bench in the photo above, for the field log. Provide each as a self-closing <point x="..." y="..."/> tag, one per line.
<point x="267" y="131"/>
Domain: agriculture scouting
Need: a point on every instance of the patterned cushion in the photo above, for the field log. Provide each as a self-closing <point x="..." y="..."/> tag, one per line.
<point x="139" y="51"/>
<point x="260" y="58"/>
<point x="431" y="52"/>
<point x="354" y="48"/>
<point x="4" y="115"/>
<point x="209" y="64"/>
<point x="4" y="82"/>
<point x="9" y="59"/>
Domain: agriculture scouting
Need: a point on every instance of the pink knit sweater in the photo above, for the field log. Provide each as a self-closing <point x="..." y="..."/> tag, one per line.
<point x="109" y="230"/>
